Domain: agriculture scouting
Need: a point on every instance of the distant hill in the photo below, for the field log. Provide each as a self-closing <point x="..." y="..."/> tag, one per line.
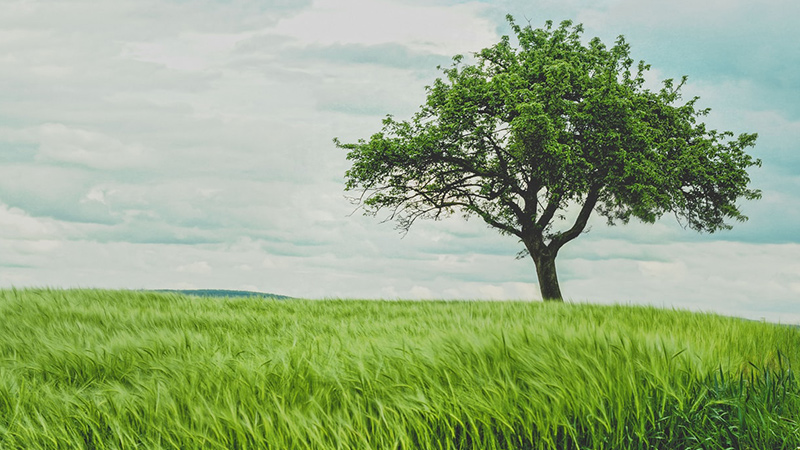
<point x="222" y="293"/>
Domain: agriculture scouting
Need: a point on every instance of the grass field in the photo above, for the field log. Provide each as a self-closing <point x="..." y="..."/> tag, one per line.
<point x="115" y="369"/>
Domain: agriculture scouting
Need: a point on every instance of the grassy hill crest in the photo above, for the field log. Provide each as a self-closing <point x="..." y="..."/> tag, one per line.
<point x="121" y="369"/>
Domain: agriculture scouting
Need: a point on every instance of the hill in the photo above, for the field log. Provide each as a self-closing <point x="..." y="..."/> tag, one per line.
<point x="221" y="293"/>
<point x="115" y="369"/>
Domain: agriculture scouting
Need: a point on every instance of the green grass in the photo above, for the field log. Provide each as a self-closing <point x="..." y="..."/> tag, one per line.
<point x="113" y="370"/>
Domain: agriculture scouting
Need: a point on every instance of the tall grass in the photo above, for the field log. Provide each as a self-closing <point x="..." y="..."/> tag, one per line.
<point x="126" y="370"/>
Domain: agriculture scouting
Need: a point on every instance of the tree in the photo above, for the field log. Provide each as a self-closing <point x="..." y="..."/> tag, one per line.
<point x="535" y="139"/>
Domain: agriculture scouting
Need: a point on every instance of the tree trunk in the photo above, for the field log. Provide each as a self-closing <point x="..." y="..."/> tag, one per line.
<point x="548" y="278"/>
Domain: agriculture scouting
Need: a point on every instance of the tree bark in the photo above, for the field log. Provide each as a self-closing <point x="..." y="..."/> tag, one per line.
<point x="548" y="278"/>
<point x="544" y="256"/>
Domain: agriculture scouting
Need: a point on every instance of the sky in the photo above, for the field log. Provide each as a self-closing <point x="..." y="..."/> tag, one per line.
<point x="188" y="144"/>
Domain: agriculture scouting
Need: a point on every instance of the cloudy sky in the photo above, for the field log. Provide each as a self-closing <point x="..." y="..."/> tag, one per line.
<point x="187" y="144"/>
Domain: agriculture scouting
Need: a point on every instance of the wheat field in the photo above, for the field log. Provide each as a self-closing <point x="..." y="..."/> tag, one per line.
<point x="101" y="369"/>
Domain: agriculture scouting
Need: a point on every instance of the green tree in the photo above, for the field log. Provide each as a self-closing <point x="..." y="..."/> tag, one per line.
<point x="536" y="138"/>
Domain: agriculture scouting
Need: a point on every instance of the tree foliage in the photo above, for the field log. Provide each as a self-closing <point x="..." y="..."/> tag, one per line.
<point x="553" y="128"/>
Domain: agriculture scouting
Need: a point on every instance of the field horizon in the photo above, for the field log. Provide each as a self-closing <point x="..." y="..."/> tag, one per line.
<point x="235" y="293"/>
<point x="134" y="369"/>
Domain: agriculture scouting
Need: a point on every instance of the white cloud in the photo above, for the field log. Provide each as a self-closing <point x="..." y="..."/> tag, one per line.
<point x="446" y="30"/>
<point x="60" y="143"/>
<point x="524" y="291"/>
<point x="187" y="51"/>
<point x="707" y="16"/>
<point x="420" y="292"/>
<point x="668" y="271"/>
<point x="38" y="246"/>
<point x="389" y="293"/>
<point x="492" y="292"/>
<point x="199" y="267"/>
<point x="15" y="223"/>
<point x="98" y="194"/>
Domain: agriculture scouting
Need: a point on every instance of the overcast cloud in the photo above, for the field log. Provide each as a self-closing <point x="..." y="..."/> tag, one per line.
<point x="171" y="144"/>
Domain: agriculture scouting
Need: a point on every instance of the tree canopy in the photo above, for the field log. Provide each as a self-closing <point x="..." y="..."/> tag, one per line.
<point x="536" y="137"/>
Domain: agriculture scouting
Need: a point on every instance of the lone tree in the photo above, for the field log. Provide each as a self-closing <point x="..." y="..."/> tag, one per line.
<point x="534" y="139"/>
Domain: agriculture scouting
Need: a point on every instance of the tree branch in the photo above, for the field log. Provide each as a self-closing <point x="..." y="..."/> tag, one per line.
<point x="547" y="215"/>
<point x="580" y="222"/>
